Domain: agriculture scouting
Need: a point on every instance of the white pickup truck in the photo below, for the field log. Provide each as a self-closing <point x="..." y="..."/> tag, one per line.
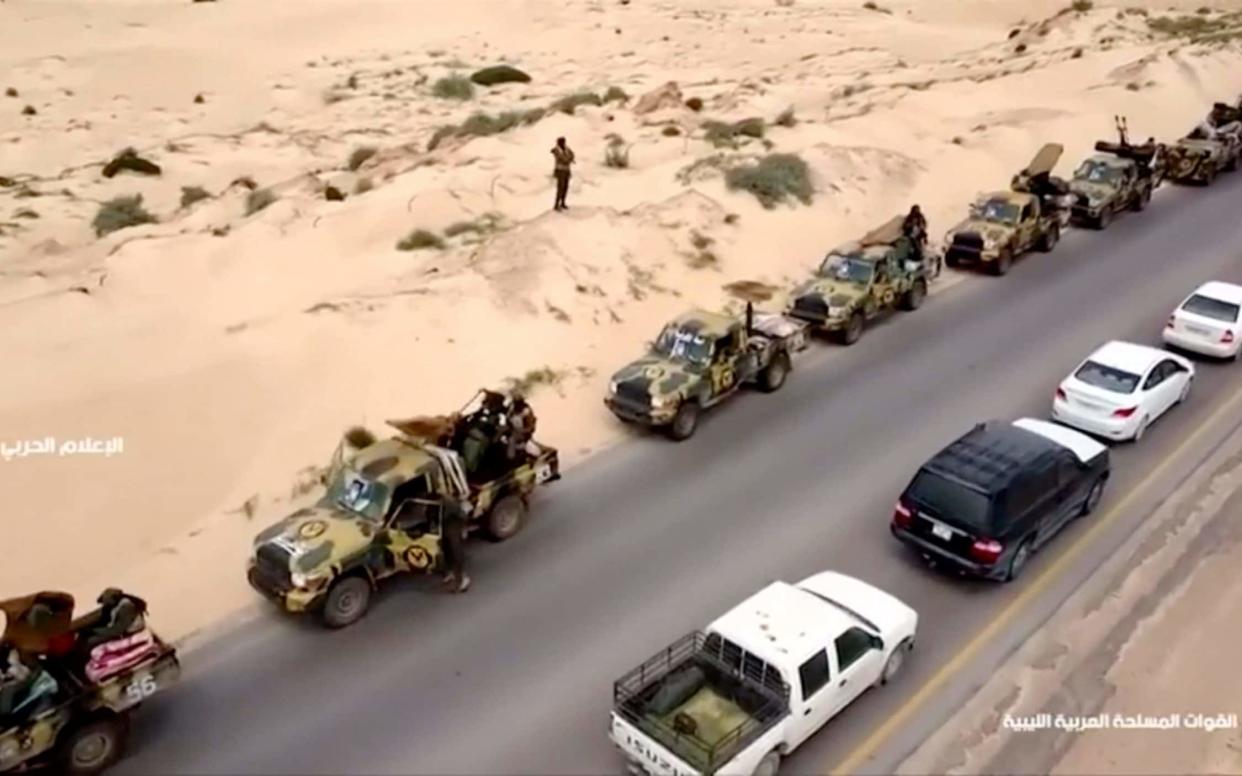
<point x="761" y="679"/>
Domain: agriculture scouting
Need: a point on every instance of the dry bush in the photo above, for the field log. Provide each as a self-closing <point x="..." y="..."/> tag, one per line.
<point x="359" y="157"/>
<point x="420" y="239"/>
<point x="499" y="74"/>
<point x="571" y="102"/>
<point x="453" y="87"/>
<point x="192" y="194"/>
<point x="121" y="213"/>
<point x="259" y="199"/>
<point x="773" y="179"/>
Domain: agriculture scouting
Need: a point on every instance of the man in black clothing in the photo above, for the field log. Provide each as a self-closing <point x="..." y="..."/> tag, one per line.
<point x="452" y="543"/>
<point x="561" y="171"/>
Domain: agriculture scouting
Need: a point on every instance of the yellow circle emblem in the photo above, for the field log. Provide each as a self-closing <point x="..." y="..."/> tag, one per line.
<point x="313" y="529"/>
<point x="653" y="372"/>
<point x="417" y="557"/>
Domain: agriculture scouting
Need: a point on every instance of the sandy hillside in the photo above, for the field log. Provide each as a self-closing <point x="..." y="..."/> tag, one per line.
<point x="229" y="349"/>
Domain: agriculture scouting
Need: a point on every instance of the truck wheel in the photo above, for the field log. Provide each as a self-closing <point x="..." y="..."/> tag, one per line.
<point x="913" y="299"/>
<point x="1049" y="239"/>
<point x="1106" y="218"/>
<point x="853" y="329"/>
<point x="94" y="747"/>
<point x="1002" y="263"/>
<point x="506" y="518"/>
<point x="895" y="662"/>
<point x="773" y="376"/>
<point x="685" y="421"/>
<point x="347" y="601"/>
<point x="769" y="765"/>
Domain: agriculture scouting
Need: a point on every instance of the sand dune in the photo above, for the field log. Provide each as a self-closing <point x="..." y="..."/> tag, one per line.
<point x="229" y="349"/>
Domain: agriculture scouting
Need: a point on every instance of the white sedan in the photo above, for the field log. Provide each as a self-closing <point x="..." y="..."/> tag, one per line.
<point x="1121" y="389"/>
<point x="1207" y="321"/>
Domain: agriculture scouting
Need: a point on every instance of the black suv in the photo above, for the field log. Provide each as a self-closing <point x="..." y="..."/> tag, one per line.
<point x="994" y="496"/>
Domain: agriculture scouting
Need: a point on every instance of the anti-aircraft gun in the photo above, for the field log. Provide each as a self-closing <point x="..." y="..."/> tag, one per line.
<point x="1119" y="176"/>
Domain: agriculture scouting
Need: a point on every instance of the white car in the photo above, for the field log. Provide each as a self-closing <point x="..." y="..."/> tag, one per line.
<point x="1121" y="389"/>
<point x="1207" y="321"/>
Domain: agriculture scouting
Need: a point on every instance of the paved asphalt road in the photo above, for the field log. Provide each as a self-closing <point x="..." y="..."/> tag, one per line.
<point x="652" y="539"/>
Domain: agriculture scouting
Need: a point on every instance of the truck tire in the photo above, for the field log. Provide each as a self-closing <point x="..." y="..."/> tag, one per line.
<point x="913" y="299"/>
<point x="769" y="765"/>
<point x="1049" y="239"/>
<point x="896" y="660"/>
<point x="1106" y="218"/>
<point x="348" y="600"/>
<point x="853" y="330"/>
<point x="506" y="518"/>
<point x="93" y="747"/>
<point x="685" y="421"/>
<point x="773" y="375"/>
<point x="1002" y="263"/>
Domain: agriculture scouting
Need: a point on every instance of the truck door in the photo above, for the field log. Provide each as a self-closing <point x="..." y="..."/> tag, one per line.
<point x="724" y="369"/>
<point x="813" y="700"/>
<point x="1028" y="225"/>
<point x="413" y="538"/>
<point x="859" y="661"/>
<point x="886" y="277"/>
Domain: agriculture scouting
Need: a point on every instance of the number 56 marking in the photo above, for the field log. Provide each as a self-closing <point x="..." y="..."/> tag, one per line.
<point x="141" y="688"/>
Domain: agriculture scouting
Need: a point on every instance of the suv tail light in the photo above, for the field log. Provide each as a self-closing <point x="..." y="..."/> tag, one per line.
<point x="902" y="516"/>
<point x="1061" y="394"/>
<point x="1227" y="337"/>
<point x="986" y="551"/>
<point x="1124" y="412"/>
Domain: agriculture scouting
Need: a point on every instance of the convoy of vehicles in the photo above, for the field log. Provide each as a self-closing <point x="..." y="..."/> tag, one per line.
<point x="861" y="280"/>
<point x="1121" y="389"/>
<point x="72" y="715"/>
<point x="1004" y="225"/>
<point x="762" y="679"/>
<point x="700" y="359"/>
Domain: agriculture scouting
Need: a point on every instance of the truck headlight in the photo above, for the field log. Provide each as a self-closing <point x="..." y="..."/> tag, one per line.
<point x="835" y="312"/>
<point x="612" y="386"/>
<point x="307" y="581"/>
<point x="663" y="402"/>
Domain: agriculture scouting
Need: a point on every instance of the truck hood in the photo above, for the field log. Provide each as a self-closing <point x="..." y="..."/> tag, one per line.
<point x="835" y="292"/>
<point x="893" y="618"/>
<point x="1094" y="191"/>
<point x="316" y="536"/>
<point x="991" y="232"/>
<point x="658" y="377"/>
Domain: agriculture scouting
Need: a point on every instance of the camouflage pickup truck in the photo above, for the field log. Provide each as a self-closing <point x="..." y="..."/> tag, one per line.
<point x="78" y="725"/>
<point x="859" y="281"/>
<point x="381" y="512"/>
<point x="1213" y="147"/>
<point x="1118" y="177"/>
<point x="1004" y="225"/>
<point x="700" y="359"/>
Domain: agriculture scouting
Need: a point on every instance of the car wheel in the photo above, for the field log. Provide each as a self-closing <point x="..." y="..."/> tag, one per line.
<point x="914" y="298"/>
<point x="506" y="518"/>
<point x="1002" y="263"/>
<point x="853" y="329"/>
<point x="1141" y="430"/>
<point x="773" y="376"/>
<point x="1093" y="497"/>
<point x="895" y="661"/>
<point x="685" y="421"/>
<point x="94" y="747"/>
<point x="769" y="765"/>
<point x="347" y="601"/>
<point x="1185" y="390"/>
<point x="1019" y="560"/>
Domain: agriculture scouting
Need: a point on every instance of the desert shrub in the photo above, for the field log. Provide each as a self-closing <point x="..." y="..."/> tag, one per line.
<point x="786" y="118"/>
<point x="10" y="92"/>
<point x="723" y="134"/>
<point x="363" y="185"/>
<point x="29" y="110"/>
<point x="462" y="227"/>
<point x="439" y="137"/>
<point x="453" y="87"/>
<point x="258" y="200"/>
<point x="121" y="213"/>
<point x="1081" y="6"/>
<point x="359" y="437"/>
<point x="499" y="74"/>
<point x="360" y="155"/>
<point x="616" y="155"/>
<point x="420" y="239"/>
<point x="571" y="102"/>
<point x="695" y="104"/>
<point x="773" y="179"/>
<point x="615" y="94"/>
<point x="670" y="130"/>
<point x="192" y="194"/>
<point x="484" y="124"/>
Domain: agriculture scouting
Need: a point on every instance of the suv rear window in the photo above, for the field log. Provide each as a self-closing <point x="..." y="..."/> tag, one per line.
<point x="952" y="501"/>
<point x="1211" y="308"/>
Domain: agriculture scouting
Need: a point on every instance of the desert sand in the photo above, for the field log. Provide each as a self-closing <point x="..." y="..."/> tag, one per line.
<point x="229" y="350"/>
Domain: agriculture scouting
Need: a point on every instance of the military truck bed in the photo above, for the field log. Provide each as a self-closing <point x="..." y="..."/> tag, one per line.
<point x="689" y="701"/>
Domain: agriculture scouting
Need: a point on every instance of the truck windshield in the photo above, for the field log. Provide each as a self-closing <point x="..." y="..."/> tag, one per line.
<point x="1000" y="211"/>
<point x="354" y="493"/>
<point x="680" y="345"/>
<point x="1097" y="172"/>
<point x="847" y="268"/>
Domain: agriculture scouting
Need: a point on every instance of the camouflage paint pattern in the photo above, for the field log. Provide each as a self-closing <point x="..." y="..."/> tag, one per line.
<point x="1195" y="160"/>
<point x="995" y="235"/>
<point x="1110" y="195"/>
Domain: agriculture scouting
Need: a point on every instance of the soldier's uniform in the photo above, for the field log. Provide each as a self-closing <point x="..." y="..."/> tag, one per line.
<point x="564" y="158"/>
<point x="522" y="428"/>
<point x="452" y="543"/>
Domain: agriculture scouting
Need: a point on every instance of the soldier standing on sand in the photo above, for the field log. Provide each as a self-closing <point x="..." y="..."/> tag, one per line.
<point x="564" y="158"/>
